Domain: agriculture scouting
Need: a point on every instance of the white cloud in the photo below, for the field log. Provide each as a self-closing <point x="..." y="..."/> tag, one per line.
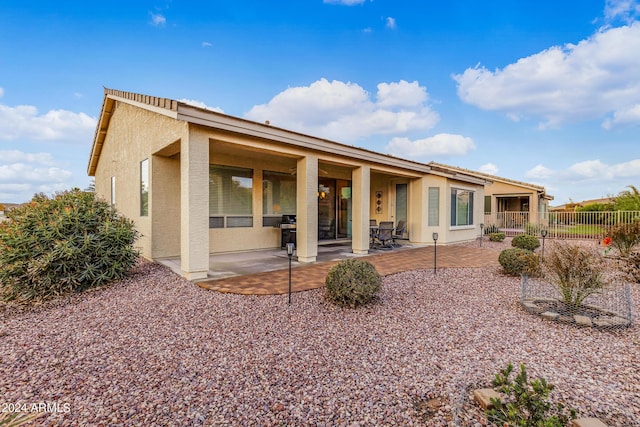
<point x="345" y="111"/>
<point x="206" y="44"/>
<point x="489" y="168"/>
<point x="344" y="2"/>
<point x="401" y="94"/>
<point x="390" y="23"/>
<point x="630" y="116"/>
<point x="624" y="10"/>
<point x="200" y="104"/>
<point x="158" y="20"/>
<point x="585" y="180"/>
<point x="588" y="171"/>
<point x="16" y="156"/>
<point x="24" y="121"/>
<point x="442" y="144"/>
<point x="24" y="174"/>
<point x="539" y="172"/>
<point x="594" y="79"/>
<point x="21" y="173"/>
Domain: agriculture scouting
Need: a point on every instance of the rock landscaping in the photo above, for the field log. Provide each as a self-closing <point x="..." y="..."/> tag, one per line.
<point x="156" y="350"/>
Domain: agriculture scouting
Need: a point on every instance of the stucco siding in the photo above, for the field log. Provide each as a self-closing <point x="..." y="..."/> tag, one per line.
<point x="134" y="134"/>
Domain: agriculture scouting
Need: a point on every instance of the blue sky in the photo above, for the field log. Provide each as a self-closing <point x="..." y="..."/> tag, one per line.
<point x="546" y="92"/>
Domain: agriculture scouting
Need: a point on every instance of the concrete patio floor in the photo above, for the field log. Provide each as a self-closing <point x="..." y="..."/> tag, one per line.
<point x="266" y="272"/>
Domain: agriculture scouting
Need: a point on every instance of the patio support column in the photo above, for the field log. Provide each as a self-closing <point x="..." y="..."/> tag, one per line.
<point x="194" y="206"/>
<point x="307" y="209"/>
<point x="361" y="194"/>
<point x="419" y="209"/>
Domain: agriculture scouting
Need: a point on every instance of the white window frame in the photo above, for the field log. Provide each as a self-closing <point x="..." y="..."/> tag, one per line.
<point x="472" y="192"/>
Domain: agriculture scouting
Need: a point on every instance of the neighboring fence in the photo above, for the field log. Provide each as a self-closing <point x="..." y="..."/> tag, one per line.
<point x="560" y="225"/>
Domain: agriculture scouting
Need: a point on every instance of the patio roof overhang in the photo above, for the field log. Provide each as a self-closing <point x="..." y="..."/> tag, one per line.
<point x="260" y="131"/>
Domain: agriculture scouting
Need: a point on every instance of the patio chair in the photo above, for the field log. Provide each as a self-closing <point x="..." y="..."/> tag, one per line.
<point x="398" y="233"/>
<point x="385" y="233"/>
<point x="373" y="233"/>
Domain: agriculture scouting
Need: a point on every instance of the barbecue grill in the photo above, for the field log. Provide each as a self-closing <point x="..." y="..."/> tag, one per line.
<point x="288" y="230"/>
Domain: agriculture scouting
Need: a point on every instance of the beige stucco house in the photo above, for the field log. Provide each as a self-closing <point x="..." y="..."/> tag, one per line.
<point x="197" y="182"/>
<point x="509" y="203"/>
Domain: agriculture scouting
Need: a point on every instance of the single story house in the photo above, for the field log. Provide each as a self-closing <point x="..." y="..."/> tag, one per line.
<point x="197" y="182"/>
<point x="509" y="203"/>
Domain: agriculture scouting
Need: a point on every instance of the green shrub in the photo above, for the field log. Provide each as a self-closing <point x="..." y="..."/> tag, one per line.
<point x="525" y="241"/>
<point x="575" y="271"/>
<point x="625" y="237"/>
<point x="532" y="229"/>
<point x="497" y="237"/>
<point x="491" y="228"/>
<point x="517" y="261"/>
<point x="526" y="402"/>
<point x="64" y="244"/>
<point x="353" y="282"/>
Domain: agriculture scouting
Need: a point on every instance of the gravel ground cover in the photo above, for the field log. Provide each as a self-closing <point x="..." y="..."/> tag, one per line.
<point x="156" y="350"/>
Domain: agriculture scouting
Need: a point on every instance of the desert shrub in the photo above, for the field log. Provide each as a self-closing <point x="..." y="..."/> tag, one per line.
<point x="525" y="241"/>
<point x="352" y="282"/>
<point x="526" y="403"/>
<point x="575" y="271"/>
<point x="16" y="419"/>
<point x="517" y="261"/>
<point x="496" y="237"/>
<point x="67" y="243"/>
<point x="491" y="228"/>
<point x="625" y="237"/>
<point x="632" y="266"/>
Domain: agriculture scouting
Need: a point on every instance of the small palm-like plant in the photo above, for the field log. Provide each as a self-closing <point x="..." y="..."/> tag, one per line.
<point x="526" y="403"/>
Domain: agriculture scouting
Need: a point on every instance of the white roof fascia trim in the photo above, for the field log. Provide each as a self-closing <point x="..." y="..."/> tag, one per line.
<point x="159" y="110"/>
<point x="190" y="114"/>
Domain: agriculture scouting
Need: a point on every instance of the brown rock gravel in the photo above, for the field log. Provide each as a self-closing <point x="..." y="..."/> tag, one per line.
<point x="156" y="350"/>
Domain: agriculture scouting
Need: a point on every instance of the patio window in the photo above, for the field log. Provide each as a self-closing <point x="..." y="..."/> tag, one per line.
<point x="230" y="197"/>
<point x="461" y="207"/>
<point x="487" y="204"/>
<point x="434" y="206"/>
<point x="278" y="197"/>
<point x="144" y="187"/>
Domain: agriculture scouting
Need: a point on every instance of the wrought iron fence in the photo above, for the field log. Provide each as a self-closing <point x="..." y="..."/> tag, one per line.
<point x="559" y="225"/>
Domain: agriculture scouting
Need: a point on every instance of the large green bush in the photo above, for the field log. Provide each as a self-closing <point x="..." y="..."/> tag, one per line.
<point x="67" y="243"/>
<point x="517" y="261"/>
<point x="353" y="282"/>
<point x="525" y="241"/>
